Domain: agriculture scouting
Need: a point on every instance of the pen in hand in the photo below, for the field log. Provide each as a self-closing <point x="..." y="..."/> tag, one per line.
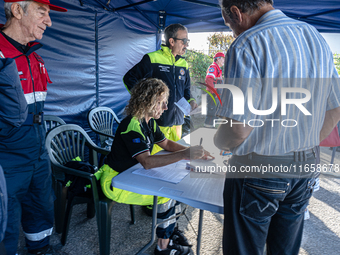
<point x="206" y="154"/>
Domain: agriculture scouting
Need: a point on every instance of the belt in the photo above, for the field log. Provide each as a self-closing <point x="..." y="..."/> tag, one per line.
<point x="296" y="155"/>
<point x="34" y="119"/>
<point x="293" y="153"/>
<point x="301" y="155"/>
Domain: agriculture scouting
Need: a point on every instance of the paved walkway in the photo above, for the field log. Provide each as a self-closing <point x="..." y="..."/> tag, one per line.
<point x="321" y="233"/>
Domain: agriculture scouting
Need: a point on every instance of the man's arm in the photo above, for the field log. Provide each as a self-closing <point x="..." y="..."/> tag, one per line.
<point x="209" y="80"/>
<point x="141" y="70"/>
<point x="332" y="117"/>
<point x="228" y="137"/>
<point x="172" y="146"/>
<point x="210" y="77"/>
<point x="193" y="104"/>
<point x="13" y="107"/>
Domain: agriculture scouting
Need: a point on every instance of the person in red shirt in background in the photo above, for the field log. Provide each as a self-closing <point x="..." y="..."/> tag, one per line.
<point x="214" y="76"/>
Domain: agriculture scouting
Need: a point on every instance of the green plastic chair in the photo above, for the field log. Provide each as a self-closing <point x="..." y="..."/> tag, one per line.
<point x="51" y="121"/>
<point x="63" y="144"/>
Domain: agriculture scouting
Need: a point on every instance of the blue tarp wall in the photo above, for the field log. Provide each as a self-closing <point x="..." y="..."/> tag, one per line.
<point x="89" y="49"/>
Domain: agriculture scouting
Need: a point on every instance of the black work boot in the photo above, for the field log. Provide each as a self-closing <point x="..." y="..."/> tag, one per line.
<point x="179" y="238"/>
<point x="174" y="249"/>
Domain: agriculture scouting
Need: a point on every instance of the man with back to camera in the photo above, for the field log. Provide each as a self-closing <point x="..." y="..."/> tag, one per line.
<point x="168" y="65"/>
<point x="272" y="51"/>
<point x="214" y="76"/>
<point x="22" y="149"/>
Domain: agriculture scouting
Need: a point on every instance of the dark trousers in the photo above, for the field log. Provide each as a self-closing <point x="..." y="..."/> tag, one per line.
<point x="268" y="209"/>
<point x="2" y="249"/>
<point x="30" y="201"/>
<point x="211" y="110"/>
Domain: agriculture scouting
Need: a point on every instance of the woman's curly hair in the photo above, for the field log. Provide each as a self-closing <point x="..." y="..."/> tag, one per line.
<point x="144" y="97"/>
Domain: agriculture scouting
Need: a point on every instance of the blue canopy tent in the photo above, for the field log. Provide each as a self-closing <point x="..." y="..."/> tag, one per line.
<point x="89" y="49"/>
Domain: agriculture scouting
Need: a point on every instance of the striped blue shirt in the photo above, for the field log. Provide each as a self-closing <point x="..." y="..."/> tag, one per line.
<point x="279" y="56"/>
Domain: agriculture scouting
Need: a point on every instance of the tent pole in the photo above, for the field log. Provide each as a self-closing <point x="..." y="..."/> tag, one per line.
<point x="161" y="26"/>
<point x="159" y="39"/>
<point x="132" y="4"/>
<point x="97" y="59"/>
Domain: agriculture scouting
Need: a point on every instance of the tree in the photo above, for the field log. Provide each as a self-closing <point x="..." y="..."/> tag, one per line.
<point x="198" y="64"/>
<point x="219" y="42"/>
<point x="337" y="62"/>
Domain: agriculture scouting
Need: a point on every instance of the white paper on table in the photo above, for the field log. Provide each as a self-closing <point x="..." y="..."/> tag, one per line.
<point x="173" y="173"/>
<point x="184" y="106"/>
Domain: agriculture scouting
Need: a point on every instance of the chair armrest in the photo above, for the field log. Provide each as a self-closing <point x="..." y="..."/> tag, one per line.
<point x="99" y="150"/>
<point x="93" y="154"/>
<point x="90" y="144"/>
<point x="101" y="133"/>
<point x="71" y="171"/>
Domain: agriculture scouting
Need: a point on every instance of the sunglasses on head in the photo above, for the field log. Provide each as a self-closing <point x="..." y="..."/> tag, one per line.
<point x="184" y="40"/>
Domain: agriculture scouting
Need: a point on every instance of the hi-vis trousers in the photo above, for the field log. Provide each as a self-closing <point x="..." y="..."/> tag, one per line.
<point x="166" y="207"/>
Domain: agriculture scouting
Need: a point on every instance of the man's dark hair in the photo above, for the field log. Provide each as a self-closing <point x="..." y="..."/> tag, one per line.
<point x="171" y="32"/>
<point x="243" y="5"/>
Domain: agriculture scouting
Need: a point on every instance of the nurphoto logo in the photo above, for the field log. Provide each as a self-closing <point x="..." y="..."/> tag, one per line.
<point x="239" y="104"/>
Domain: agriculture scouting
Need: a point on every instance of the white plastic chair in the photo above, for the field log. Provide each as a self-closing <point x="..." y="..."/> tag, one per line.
<point x="101" y="120"/>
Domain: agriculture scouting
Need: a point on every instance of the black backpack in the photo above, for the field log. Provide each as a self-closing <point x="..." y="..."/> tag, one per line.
<point x="78" y="186"/>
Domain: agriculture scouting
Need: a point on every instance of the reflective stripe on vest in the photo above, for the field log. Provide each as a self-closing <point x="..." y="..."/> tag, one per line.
<point x="39" y="236"/>
<point x="38" y="96"/>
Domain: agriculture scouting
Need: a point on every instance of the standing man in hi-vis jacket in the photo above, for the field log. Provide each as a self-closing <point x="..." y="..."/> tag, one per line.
<point x="168" y="65"/>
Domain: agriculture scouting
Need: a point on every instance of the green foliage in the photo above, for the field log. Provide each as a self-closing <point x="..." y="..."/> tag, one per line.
<point x="337" y="62"/>
<point x="219" y="42"/>
<point x="198" y="64"/>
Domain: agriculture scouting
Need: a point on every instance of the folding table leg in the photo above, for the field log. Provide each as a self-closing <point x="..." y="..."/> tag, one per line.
<point x="154" y="225"/>
<point x="132" y="212"/>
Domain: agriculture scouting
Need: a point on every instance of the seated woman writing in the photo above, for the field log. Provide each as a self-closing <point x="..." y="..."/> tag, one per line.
<point x="133" y="142"/>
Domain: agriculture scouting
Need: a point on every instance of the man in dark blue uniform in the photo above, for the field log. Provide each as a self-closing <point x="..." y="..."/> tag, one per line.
<point x="22" y="147"/>
<point x="13" y="112"/>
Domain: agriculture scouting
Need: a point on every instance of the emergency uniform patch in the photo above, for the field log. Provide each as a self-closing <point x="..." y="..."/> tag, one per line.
<point x="136" y="140"/>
